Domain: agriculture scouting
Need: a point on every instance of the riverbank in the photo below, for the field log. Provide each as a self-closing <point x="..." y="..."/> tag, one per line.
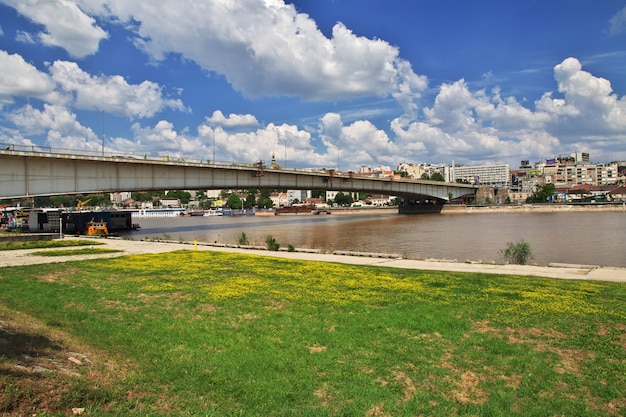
<point x="533" y="208"/>
<point x="508" y="208"/>
<point x="133" y="247"/>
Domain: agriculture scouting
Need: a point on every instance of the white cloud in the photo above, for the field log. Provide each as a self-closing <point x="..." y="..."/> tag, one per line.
<point x="67" y="26"/>
<point x="19" y="78"/>
<point x="617" y="23"/>
<point x="268" y="48"/>
<point x="168" y="141"/>
<point x="361" y="142"/>
<point x="111" y="94"/>
<point x="59" y="124"/>
<point x="462" y="125"/>
<point x="600" y="110"/>
<point x="233" y="120"/>
<point x="25" y="37"/>
<point x="283" y="141"/>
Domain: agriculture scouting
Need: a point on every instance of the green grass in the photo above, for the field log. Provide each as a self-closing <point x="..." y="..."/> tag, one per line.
<point x="71" y="252"/>
<point x="219" y="334"/>
<point x="42" y="244"/>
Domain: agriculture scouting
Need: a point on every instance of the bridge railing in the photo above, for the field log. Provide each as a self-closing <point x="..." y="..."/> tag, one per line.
<point x="176" y="159"/>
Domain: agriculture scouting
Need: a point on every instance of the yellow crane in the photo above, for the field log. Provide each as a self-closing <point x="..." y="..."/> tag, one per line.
<point x="80" y="204"/>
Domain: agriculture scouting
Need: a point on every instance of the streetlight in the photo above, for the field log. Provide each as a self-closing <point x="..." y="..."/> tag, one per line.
<point x="103" y="133"/>
<point x="285" y="152"/>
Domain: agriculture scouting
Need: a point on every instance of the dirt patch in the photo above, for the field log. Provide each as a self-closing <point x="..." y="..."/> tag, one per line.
<point x="42" y="370"/>
<point x="409" y="388"/>
<point x="468" y="391"/>
<point x="323" y="394"/>
<point x="276" y="305"/>
<point x="57" y="276"/>
<point x="317" y="349"/>
<point x="377" y="411"/>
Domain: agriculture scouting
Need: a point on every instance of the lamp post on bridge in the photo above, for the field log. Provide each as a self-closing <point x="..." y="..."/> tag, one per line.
<point x="286" y="152"/>
<point x="102" y="133"/>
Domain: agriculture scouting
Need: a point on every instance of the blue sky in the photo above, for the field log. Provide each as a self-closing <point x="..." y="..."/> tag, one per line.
<point x="318" y="83"/>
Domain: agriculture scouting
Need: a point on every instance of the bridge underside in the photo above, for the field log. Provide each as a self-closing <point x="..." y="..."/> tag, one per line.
<point x="30" y="174"/>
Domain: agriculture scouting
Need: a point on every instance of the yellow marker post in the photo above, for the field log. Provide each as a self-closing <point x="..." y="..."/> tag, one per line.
<point x="195" y="244"/>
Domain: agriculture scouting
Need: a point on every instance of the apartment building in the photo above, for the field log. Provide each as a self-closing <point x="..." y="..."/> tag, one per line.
<point x="496" y="174"/>
<point x="564" y="172"/>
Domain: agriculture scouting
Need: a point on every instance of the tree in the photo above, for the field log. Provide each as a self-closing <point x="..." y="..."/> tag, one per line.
<point x="234" y="202"/>
<point x="318" y="194"/>
<point x="183" y="196"/>
<point x="264" y="200"/>
<point x="61" y="201"/>
<point x="425" y="176"/>
<point x="437" y="176"/>
<point x="542" y="194"/>
<point x="250" y="200"/>
<point x="342" y="199"/>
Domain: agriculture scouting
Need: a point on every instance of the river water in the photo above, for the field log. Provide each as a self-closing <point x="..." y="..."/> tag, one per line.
<point x="589" y="238"/>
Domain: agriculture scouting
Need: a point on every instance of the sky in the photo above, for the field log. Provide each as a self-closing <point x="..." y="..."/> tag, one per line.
<point x="317" y="83"/>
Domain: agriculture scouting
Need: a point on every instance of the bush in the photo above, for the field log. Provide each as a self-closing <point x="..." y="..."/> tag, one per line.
<point x="243" y="239"/>
<point x="517" y="253"/>
<point x="290" y="248"/>
<point x="271" y="243"/>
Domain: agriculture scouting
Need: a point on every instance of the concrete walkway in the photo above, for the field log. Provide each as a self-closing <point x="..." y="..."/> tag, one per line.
<point x="128" y="247"/>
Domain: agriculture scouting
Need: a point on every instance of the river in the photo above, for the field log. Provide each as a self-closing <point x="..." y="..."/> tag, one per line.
<point x="596" y="238"/>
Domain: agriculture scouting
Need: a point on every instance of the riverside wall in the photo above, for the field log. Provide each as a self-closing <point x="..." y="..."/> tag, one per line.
<point x="533" y="208"/>
<point x="465" y="209"/>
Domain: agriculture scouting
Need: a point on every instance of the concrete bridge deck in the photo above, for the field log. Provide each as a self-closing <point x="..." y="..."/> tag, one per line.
<point x="29" y="173"/>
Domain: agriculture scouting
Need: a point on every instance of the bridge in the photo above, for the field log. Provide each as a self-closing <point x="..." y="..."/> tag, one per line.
<point x="44" y="172"/>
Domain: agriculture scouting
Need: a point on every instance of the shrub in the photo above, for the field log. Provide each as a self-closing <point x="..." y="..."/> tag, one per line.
<point x="517" y="253"/>
<point x="243" y="239"/>
<point x="271" y="243"/>
<point x="290" y="248"/>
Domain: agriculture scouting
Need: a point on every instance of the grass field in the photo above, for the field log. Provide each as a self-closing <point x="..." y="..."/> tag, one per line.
<point x="219" y="334"/>
<point x="42" y="244"/>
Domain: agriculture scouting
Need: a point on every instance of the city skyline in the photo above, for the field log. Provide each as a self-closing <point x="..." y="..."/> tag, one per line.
<point x="318" y="84"/>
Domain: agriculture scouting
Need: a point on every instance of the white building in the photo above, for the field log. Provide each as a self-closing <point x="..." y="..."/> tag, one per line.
<point x="299" y="195"/>
<point x="279" y="199"/>
<point x="170" y="202"/>
<point x="496" y="174"/>
<point x="119" y="198"/>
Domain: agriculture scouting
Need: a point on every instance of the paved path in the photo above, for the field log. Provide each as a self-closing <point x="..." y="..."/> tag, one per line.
<point x="582" y="272"/>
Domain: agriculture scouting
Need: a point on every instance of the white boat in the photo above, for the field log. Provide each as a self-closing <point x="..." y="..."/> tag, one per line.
<point x="166" y="212"/>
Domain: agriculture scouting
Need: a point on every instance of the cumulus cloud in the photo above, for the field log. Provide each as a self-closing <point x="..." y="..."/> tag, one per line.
<point x="590" y="96"/>
<point x="59" y="124"/>
<point x="483" y="126"/>
<point x="66" y="24"/>
<point x="19" y="78"/>
<point x="361" y="141"/>
<point x="164" y="137"/>
<point x="112" y="94"/>
<point x="287" y="143"/>
<point x="68" y="87"/>
<point x="233" y="120"/>
<point x="268" y="48"/>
